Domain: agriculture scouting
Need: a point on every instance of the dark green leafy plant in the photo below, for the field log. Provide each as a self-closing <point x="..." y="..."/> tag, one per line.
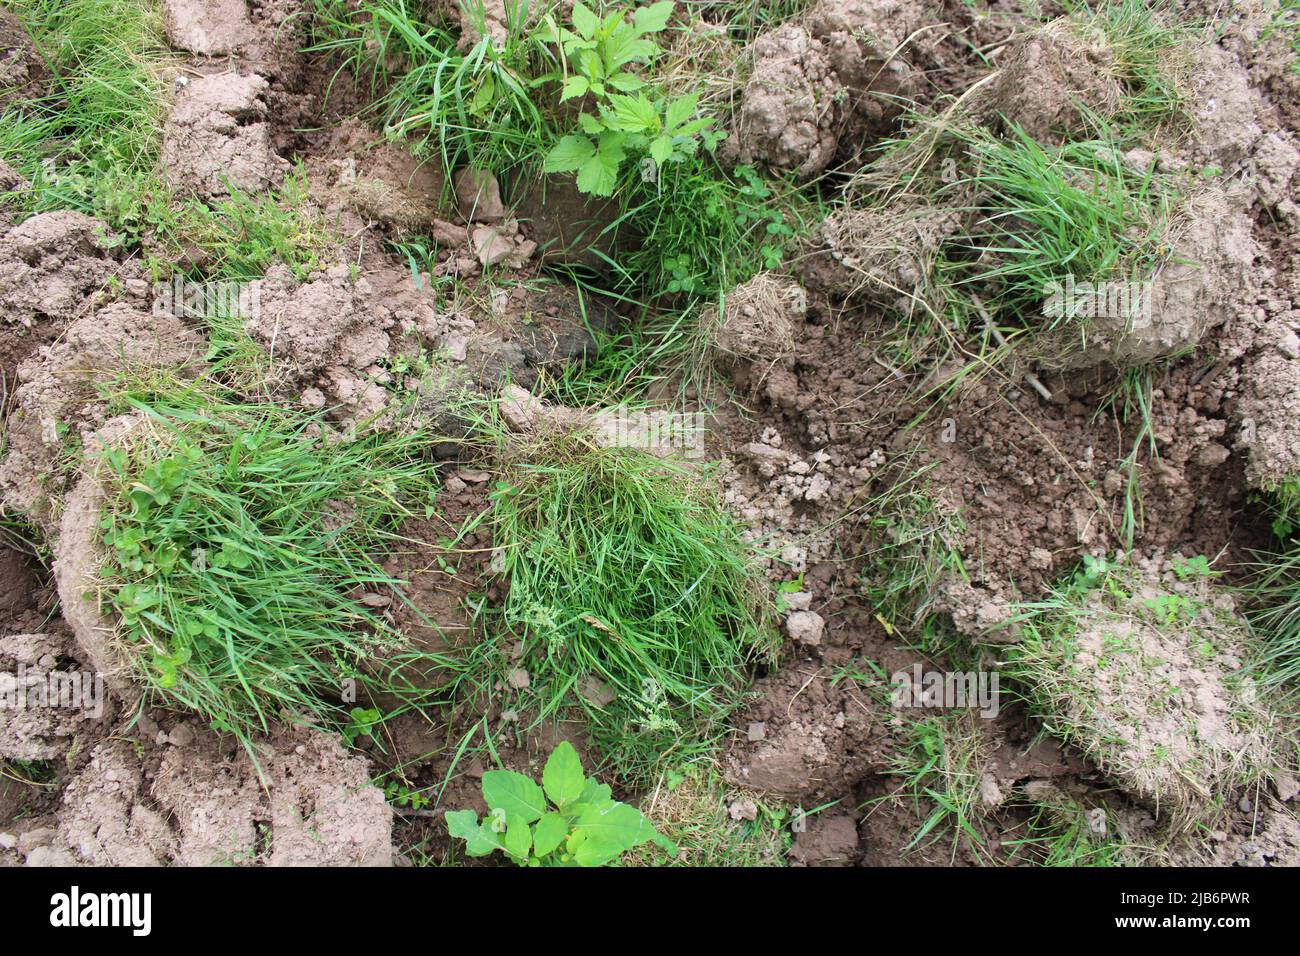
<point x="570" y="820"/>
<point x="631" y="117"/>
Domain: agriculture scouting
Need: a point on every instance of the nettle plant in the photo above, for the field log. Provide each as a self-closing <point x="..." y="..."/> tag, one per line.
<point x="631" y="118"/>
<point x="570" y="820"/>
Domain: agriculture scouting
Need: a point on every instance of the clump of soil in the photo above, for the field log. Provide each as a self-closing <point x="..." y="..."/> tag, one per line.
<point x="756" y="322"/>
<point x="189" y="797"/>
<point x="1226" y="109"/>
<point x="219" y="136"/>
<point x="1269" y="407"/>
<point x="79" y="560"/>
<point x="22" y="70"/>
<point x="332" y="336"/>
<point x="54" y="268"/>
<point x="1052" y="81"/>
<point x="380" y="181"/>
<point x="884" y="255"/>
<point x="1145" y="677"/>
<point x="208" y="27"/>
<point x="815" y="738"/>
<point x="54" y="718"/>
<point x="810" y="84"/>
<point x="57" y="407"/>
<point x="1208" y="279"/>
<point x="12" y="186"/>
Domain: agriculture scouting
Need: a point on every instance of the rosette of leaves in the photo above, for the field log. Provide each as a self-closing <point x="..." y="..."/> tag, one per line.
<point x="570" y="820"/>
<point x="631" y="118"/>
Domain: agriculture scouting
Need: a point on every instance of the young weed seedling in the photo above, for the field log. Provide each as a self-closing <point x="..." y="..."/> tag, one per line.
<point x="570" y="820"/>
<point x="628" y="120"/>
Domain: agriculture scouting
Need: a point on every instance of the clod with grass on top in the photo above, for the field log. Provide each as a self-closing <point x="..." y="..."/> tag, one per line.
<point x="636" y="600"/>
<point x="239" y="551"/>
<point x="1140" y="664"/>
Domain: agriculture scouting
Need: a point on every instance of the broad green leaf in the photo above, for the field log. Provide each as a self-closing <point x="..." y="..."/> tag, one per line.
<point x="625" y="82"/>
<point x="680" y="110"/>
<point x="590" y="124"/>
<point x="570" y="153"/>
<point x="634" y="114"/>
<point x="515" y="794"/>
<point x="483" y="97"/>
<point x="461" y="823"/>
<point x="562" y="777"/>
<point x="574" y="86"/>
<point x="518" y="837"/>
<point x="483" y="843"/>
<point x="549" y="833"/>
<point x="597" y="793"/>
<point x="584" y="21"/>
<point x="661" y="148"/>
<point x="609" y="832"/>
<point x="653" y="18"/>
<point x="599" y="175"/>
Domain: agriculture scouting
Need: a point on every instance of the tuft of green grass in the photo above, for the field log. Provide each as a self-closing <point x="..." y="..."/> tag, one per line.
<point x="1273" y="608"/>
<point x="100" y="127"/>
<point x="1131" y="400"/>
<point x="1287" y="22"/>
<point x="241" y="236"/>
<point x="696" y="229"/>
<point x="466" y="107"/>
<point x="1043" y="213"/>
<point x="239" y="549"/>
<point x="93" y="145"/>
<point x="689" y="807"/>
<point x="914" y="546"/>
<point x="635" y="598"/>
<point x="1150" y="45"/>
<point x="942" y="760"/>
<point x="1062" y="832"/>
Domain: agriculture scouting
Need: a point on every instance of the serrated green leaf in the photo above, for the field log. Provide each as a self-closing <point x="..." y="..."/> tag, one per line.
<point x="680" y="110"/>
<point x="693" y="127"/>
<point x="584" y="21"/>
<point x="624" y="47"/>
<point x="661" y="148"/>
<point x="570" y="153"/>
<point x="633" y="114"/>
<point x="653" y="18"/>
<point x="549" y="833"/>
<point x="590" y="65"/>
<point x="626" y="82"/>
<point x="599" y="175"/>
<point x="590" y="124"/>
<point x="515" y="794"/>
<point x="609" y="832"/>
<point x="562" y="778"/>
<point x="574" y="86"/>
